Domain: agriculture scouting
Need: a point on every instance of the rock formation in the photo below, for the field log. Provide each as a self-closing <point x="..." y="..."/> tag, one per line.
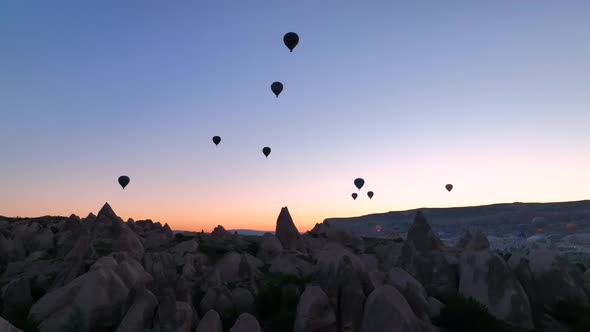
<point x="68" y="273"/>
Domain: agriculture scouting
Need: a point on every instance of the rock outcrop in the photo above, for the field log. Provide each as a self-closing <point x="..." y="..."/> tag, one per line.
<point x="286" y="231"/>
<point x="99" y="272"/>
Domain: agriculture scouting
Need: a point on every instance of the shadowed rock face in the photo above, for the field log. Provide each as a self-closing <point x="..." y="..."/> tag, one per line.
<point x="486" y="277"/>
<point x="387" y="310"/>
<point x="421" y="235"/>
<point x="423" y="257"/>
<point x="286" y="231"/>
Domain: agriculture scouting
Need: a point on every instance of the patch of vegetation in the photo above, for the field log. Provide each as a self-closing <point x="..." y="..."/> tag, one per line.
<point x="75" y="322"/>
<point x="573" y="314"/>
<point x="103" y="248"/>
<point x="213" y="249"/>
<point x="228" y="318"/>
<point x="276" y="301"/>
<point x="253" y="248"/>
<point x="505" y="254"/>
<point x="462" y="314"/>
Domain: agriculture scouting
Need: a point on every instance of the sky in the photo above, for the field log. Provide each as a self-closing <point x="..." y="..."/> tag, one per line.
<point x="491" y="96"/>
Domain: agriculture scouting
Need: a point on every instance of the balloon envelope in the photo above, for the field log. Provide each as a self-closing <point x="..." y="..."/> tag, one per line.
<point x="449" y="187"/>
<point x="266" y="151"/>
<point x="370" y="194"/>
<point x="277" y="88"/>
<point x="359" y="183"/>
<point x="123" y="181"/>
<point x="291" y="39"/>
<point x="571" y="227"/>
<point x="378" y="228"/>
<point x="216" y="140"/>
<point x="354" y="195"/>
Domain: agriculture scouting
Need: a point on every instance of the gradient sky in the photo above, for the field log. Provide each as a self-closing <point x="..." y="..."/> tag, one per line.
<point x="492" y="96"/>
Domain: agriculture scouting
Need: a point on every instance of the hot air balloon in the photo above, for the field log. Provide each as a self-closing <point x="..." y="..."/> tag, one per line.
<point x="291" y="40"/>
<point x="123" y="181"/>
<point x="277" y="88"/>
<point x="378" y="228"/>
<point x="539" y="222"/>
<point x="266" y="151"/>
<point x="449" y="187"/>
<point x="216" y="140"/>
<point x="354" y="196"/>
<point x="370" y="194"/>
<point x="571" y="227"/>
<point x="359" y="183"/>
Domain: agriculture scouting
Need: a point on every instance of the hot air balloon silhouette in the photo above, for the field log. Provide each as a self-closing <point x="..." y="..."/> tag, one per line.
<point x="266" y="151"/>
<point x="359" y="183"/>
<point x="277" y="88"/>
<point x="370" y="194"/>
<point x="354" y="196"/>
<point x="571" y="227"/>
<point x="378" y="228"/>
<point x="123" y="181"/>
<point x="291" y="39"/>
<point x="449" y="187"/>
<point x="216" y="140"/>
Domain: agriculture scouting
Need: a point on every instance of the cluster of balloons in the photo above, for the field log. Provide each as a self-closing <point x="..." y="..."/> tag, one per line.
<point x="359" y="183"/>
<point x="291" y="39"/>
<point x="539" y="224"/>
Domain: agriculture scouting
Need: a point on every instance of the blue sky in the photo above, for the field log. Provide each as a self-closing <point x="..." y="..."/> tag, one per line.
<point x="410" y="95"/>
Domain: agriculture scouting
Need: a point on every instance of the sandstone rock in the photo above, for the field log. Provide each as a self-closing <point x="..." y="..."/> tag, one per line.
<point x="98" y="296"/>
<point x="270" y="247"/>
<point x="221" y="233"/>
<point x="519" y="264"/>
<point x="421" y="235"/>
<point x="16" y="298"/>
<point x="243" y="300"/>
<point x="246" y="323"/>
<point x="553" y="280"/>
<point x="210" y="322"/>
<point x="104" y="262"/>
<point x="5" y="326"/>
<point x="166" y="311"/>
<point x="161" y="266"/>
<point x="286" y="231"/>
<point x="133" y="274"/>
<point x="423" y="257"/>
<point x="387" y="310"/>
<point x="314" y="313"/>
<point x="473" y="240"/>
<point x="185" y="320"/>
<point x="486" y="277"/>
<point x="412" y="290"/>
<point x="434" y="307"/>
<point x="140" y="314"/>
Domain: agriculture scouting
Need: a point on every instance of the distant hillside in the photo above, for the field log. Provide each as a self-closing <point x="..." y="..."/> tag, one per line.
<point x="240" y="231"/>
<point x="249" y="232"/>
<point x="495" y="218"/>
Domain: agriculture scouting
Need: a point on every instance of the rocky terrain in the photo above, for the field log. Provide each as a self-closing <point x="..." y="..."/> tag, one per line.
<point x="101" y="273"/>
